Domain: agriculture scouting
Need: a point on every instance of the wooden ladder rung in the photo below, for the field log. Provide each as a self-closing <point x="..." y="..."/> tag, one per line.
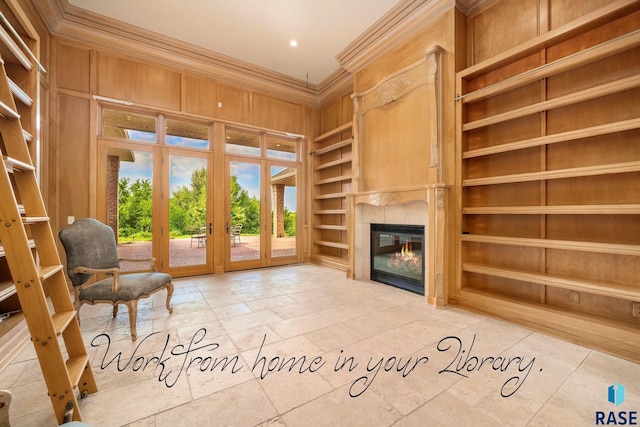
<point x="61" y="320"/>
<point x="15" y="164"/>
<point x="75" y="367"/>
<point x="8" y="112"/>
<point x="34" y="219"/>
<point x="44" y="272"/>
<point x="20" y="94"/>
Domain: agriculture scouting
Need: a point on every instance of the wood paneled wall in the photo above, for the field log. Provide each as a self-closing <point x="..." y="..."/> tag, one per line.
<point x="81" y="71"/>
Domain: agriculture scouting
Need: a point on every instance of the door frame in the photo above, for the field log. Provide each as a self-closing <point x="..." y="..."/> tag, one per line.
<point x="266" y="202"/>
<point x="160" y="188"/>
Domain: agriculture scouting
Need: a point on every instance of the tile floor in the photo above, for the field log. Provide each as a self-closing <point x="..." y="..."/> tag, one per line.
<point x="303" y="346"/>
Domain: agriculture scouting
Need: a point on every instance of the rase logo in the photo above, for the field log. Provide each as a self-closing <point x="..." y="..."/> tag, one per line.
<point x="615" y="396"/>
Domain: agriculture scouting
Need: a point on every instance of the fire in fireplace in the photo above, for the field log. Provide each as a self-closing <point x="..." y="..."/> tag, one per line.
<point x="397" y="256"/>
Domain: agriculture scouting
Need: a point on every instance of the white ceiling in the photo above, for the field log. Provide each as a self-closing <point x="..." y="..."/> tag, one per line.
<point x="256" y="31"/>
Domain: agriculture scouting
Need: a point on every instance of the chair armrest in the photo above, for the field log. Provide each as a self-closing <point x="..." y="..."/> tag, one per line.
<point x="88" y="270"/>
<point x="151" y="261"/>
<point x="115" y="272"/>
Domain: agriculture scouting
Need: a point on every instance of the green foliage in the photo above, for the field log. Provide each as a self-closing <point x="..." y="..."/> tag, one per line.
<point x="289" y="222"/>
<point x="187" y="208"/>
<point x="245" y="210"/>
<point x="135" y="208"/>
<point x="188" y="204"/>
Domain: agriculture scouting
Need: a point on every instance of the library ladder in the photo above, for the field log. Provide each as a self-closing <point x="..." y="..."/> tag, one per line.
<point x="35" y="266"/>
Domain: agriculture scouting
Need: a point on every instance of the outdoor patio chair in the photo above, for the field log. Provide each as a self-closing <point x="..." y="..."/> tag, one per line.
<point x="235" y="233"/>
<point x="91" y="249"/>
<point x="200" y="235"/>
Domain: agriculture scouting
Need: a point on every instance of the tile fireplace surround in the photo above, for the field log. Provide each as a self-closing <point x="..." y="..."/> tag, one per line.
<point x="413" y="206"/>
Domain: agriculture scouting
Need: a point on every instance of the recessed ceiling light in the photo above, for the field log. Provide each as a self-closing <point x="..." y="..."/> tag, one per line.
<point x="293" y="43"/>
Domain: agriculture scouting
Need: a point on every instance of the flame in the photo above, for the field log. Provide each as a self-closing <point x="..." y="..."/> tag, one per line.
<point x="406" y="252"/>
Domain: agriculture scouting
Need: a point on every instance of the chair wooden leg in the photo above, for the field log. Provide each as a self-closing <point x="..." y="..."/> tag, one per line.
<point x="133" y="315"/>
<point x="115" y="310"/>
<point x="169" y="295"/>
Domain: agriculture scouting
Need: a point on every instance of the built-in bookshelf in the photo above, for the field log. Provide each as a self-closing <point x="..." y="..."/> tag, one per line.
<point x="332" y="178"/>
<point x="549" y="164"/>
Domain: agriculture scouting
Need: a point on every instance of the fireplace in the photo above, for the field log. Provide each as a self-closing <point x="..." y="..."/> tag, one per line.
<point x="398" y="256"/>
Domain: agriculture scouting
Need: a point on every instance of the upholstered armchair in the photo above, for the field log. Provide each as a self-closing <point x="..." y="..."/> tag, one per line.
<point x="91" y="249"/>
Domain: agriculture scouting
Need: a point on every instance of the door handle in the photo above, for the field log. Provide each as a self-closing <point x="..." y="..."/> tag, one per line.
<point x="210" y="228"/>
<point x="227" y="228"/>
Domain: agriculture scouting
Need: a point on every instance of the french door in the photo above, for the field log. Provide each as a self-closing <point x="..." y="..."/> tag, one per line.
<point x="261" y="205"/>
<point x="156" y="200"/>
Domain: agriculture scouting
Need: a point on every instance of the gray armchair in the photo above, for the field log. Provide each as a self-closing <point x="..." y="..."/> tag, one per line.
<point x="91" y="249"/>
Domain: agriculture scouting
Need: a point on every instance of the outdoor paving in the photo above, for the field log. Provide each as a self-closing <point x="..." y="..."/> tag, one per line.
<point x="184" y="252"/>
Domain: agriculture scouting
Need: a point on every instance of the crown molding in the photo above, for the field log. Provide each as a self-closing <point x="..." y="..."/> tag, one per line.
<point x="409" y="16"/>
<point x="336" y="84"/>
<point x="72" y="23"/>
<point x="404" y="20"/>
<point x="471" y="6"/>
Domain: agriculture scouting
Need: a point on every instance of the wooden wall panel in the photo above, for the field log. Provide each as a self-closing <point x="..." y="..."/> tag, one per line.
<point x="563" y="11"/>
<point x="200" y="95"/>
<point x="73" y="67"/>
<point x="133" y="81"/>
<point x="488" y="31"/>
<point x="73" y="158"/>
<point x="331" y="116"/>
<point x="395" y="152"/>
<point x="275" y="114"/>
<point x="346" y="109"/>
<point x="236" y="104"/>
<point x="337" y="112"/>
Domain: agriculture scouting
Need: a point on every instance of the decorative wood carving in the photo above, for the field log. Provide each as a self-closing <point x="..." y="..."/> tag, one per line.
<point x="434" y="88"/>
<point x="382" y="199"/>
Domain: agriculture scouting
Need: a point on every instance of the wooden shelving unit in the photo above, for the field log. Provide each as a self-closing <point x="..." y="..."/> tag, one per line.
<point x="549" y="166"/>
<point x="332" y="178"/>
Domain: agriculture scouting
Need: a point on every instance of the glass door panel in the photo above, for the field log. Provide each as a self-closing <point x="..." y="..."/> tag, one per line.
<point x="129" y="203"/>
<point x="283" y="211"/>
<point x="189" y="227"/>
<point x="244" y="222"/>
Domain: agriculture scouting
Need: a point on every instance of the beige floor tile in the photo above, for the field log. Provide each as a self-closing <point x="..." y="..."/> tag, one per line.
<point x="337" y="408"/>
<point x="309" y="347"/>
<point x="243" y="405"/>
<point x="250" y="320"/>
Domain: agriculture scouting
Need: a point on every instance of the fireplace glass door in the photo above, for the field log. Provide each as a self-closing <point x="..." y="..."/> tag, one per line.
<point x="397" y="256"/>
